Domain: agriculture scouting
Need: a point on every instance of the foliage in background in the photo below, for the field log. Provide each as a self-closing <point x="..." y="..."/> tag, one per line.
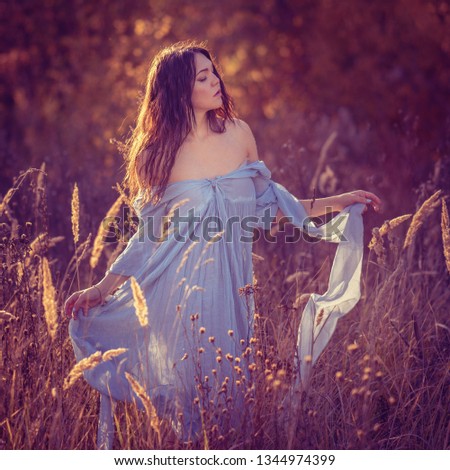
<point x="339" y="97"/>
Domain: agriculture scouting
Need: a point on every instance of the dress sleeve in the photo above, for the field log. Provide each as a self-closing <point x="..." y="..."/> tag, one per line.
<point x="158" y="241"/>
<point x="140" y="246"/>
<point x="322" y="311"/>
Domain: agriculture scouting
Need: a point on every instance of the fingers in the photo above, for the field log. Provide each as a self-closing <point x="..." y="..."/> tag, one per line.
<point x="70" y="302"/>
<point x="370" y="198"/>
<point x="376" y="201"/>
<point x="74" y="304"/>
<point x="80" y="304"/>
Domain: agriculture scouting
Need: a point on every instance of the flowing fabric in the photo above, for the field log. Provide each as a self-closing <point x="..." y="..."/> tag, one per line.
<point x="191" y="270"/>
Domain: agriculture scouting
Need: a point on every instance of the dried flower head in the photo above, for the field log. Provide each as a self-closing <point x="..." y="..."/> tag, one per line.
<point x="419" y="217"/>
<point x="445" y="228"/>
<point x="75" y="214"/>
<point x="148" y="405"/>
<point x="49" y="299"/>
<point x="102" y="231"/>
<point x="140" y="303"/>
<point x="78" y="369"/>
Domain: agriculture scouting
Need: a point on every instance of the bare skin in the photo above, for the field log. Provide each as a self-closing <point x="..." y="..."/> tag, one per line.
<point x="205" y="154"/>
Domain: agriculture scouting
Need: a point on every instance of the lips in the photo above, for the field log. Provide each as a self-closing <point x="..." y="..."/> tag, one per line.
<point x="217" y="93"/>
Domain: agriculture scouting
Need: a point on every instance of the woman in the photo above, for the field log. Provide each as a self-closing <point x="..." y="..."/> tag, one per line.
<point x="191" y="159"/>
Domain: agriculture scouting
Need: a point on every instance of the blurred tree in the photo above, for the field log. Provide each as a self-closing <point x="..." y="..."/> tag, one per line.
<point x="377" y="72"/>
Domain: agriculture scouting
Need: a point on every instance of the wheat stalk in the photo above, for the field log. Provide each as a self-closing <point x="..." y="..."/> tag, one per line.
<point x="111" y="353"/>
<point x="98" y="241"/>
<point x="148" y="405"/>
<point x="11" y="191"/>
<point x="376" y="243"/>
<point x="419" y="217"/>
<point x="4" y="315"/>
<point x="40" y="186"/>
<point x="75" y="214"/>
<point x="140" y="304"/>
<point x="389" y="225"/>
<point x="49" y="299"/>
<point x="445" y="227"/>
<point x="85" y="364"/>
<point x="89" y="363"/>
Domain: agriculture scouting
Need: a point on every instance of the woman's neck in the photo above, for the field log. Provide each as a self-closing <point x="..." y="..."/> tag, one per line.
<point x="200" y="130"/>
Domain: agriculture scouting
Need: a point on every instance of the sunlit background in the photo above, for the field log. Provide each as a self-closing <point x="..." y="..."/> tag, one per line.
<point x="340" y="95"/>
<point x="376" y="72"/>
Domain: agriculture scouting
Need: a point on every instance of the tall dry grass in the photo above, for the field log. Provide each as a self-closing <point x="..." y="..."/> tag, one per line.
<point x="380" y="384"/>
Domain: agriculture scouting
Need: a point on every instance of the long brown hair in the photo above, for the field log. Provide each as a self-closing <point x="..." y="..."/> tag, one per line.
<point x="165" y="118"/>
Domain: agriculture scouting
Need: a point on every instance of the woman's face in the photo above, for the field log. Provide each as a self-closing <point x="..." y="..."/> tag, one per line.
<point x="206" y="85"/>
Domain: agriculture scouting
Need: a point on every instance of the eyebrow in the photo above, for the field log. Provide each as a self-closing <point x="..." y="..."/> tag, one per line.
<point x="203" y="70"/>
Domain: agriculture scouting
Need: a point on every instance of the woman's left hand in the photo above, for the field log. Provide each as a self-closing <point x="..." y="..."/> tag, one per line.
<point x="365" y="197"/>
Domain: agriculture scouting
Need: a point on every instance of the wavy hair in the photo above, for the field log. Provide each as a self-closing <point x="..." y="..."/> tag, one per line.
<point x="165" y="118"/>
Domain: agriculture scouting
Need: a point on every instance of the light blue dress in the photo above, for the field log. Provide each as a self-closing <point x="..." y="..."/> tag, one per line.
<point x="191" y="277"/>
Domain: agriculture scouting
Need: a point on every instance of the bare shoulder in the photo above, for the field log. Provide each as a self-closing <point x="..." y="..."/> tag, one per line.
<point x="245" y="135"/>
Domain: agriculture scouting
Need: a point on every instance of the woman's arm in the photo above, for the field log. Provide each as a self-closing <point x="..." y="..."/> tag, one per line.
<point x="336" y="203"/>
<point x="319" y="206"/>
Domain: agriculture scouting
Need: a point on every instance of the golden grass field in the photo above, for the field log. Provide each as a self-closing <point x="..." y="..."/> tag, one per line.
<point x="382" y="382"/>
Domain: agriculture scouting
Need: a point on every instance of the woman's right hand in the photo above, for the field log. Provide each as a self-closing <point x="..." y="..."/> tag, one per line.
<point x="84" y="300"/>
